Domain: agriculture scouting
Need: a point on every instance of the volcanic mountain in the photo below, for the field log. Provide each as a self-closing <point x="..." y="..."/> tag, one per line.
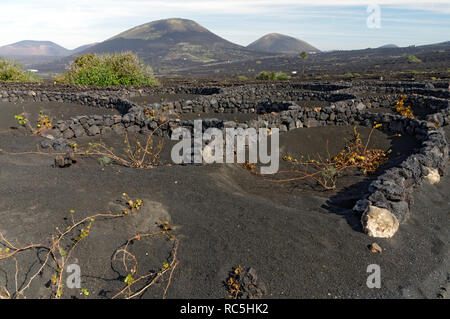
<point x="389" y="46"/>
<point x="174" y="43"/>
<point x="280" y="43"/>
<point x="82" y="48"/>
<point x="34" y="48"/>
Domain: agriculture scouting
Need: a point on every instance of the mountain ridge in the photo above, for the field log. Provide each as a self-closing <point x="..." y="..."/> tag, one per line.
<point x="389" y="46"/>
<point x="38" y="48"/>
<point x="281" y="44"/>
<point x="174" y="43"/>
<point x="34" y="48"/>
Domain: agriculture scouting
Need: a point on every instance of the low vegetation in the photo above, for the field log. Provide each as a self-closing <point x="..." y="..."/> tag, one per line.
<point x="107" y="70"/>
<point x="325" y="172"/>
<point x="402" y="109"/>
<point x="60" y="247"/>
<point x="413" y="59"/>
<point x="11" y="71"/>
<point x="138" y="155"/>
<point x="233" y="283"/>
<point x="272" y="76"/>
<point x="43" y="123"/>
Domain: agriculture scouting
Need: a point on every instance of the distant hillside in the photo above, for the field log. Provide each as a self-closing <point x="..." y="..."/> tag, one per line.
<point x="174" y="43"/>
<point x="388" y="46"/>
<point x="279" y="43"/>
<point x="34" y="48"/>
<point x="441" y="44"/>
<point x="82" y="48"/>
<point x="435" y="59"/>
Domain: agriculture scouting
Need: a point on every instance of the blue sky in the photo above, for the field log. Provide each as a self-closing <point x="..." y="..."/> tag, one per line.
<point x="326" y="24"/>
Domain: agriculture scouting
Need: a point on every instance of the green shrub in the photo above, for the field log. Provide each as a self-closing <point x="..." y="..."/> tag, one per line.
<point x="413" y="58"/>
<point x="108" y="69"/>
<point x="242" y="78"/>
<point x="11" y="71"/>
<point x="272" y="76"/>
<point x="282" y="76"/>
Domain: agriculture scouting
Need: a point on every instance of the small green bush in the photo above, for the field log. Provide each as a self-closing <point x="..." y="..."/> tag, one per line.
<point x="266" y="76"/>
<point x="272" y="76"/>
<point x="282" y="76"/>
<point x="242" y="78"/>
<point x="108" y="69"/>
<point x="413" y="58"/>
<point x="11" y="71"/>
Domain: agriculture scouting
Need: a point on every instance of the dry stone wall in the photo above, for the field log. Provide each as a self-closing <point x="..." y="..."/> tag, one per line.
<point x="389" y="198"/>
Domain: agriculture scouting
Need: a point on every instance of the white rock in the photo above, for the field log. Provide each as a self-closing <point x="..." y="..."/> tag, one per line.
<point x="361" y="106"/>
<point x="48" y="136"/>
<point x="379" y="222"/>
<point x="433" y="176"/>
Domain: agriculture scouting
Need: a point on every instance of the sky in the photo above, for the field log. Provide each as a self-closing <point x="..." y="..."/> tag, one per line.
<point x="326" y="24"/>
